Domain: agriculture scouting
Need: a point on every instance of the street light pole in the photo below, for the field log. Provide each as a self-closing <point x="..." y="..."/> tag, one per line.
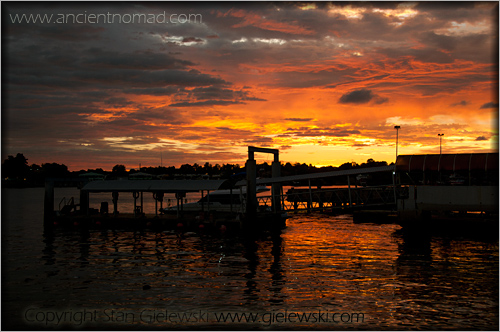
<point x="397" y="139"/>
<point x="440" y="137"/>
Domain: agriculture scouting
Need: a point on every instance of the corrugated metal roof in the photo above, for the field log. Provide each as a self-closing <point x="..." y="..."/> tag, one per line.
<point x="320" y="175"/>
<point x="167" y="186"/>
<point x="447" y="162"/>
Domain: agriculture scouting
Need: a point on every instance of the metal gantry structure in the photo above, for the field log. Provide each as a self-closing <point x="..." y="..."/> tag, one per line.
<point x="347" y="197"/>
<point x="334" y="199"/>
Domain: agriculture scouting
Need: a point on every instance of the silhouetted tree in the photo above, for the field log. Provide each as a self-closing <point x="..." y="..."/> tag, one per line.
<point x="372" y="163"/>
<point x="15" y="167"/>
<point x="97" y="170"/>
<point x="187" y="169"/>
<point x="287" y="169"/>
<point x="350" y="165"/>
<point x="54" y="170"/>
<point x="197" y="168"/>
<point x="207" y="168"/>
<point x="119" y="170"/>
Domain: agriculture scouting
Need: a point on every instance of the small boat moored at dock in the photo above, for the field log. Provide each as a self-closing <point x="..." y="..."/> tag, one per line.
<point x="224" y="200"/>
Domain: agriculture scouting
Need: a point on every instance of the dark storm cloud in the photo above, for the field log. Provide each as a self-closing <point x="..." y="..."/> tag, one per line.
<point x="161" y="116"/>
<point x="443" y="48"/>
<point x="361" y="96"/>
<point x="206" y="103"/>
<point x="112" y="78"/>
<point x="489" y="105"/>
<point x="441" y="41"/>
<point x="166" y="91"/>
<point x="427" y="54"/>
<point x="457" y="11"/>
<point x="296" y="79"/>
<point x="233" y="134"/>
<point x="299" y="119"/>
<point x="95" y="68"/>
<point x="139" y="78"/>
<point x="321" y="131"/>
<point x="481" y="138"/>
<point x="143" y="60"/>
<point x="214" y="96"/>
<point x="214" y="92"/>
<point x="460" y="103"/>
<point x="192" y="40"/>
<point x="69" y="33"/>
<point x="118" y="102"/>
<point x="258" y="140"/>
<point x="95" y="94"/>
<point x="144" y="122"/>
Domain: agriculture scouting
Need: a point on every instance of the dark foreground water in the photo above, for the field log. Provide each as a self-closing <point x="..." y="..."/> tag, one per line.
<point x="321" y="272"/>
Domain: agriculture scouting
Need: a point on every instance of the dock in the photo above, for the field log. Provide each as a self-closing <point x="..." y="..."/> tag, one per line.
<point x="419" y="189"/>
<point x="79" y="215"/>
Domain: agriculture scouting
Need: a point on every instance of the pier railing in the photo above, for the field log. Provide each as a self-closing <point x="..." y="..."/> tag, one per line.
<point x="334" y="198"/>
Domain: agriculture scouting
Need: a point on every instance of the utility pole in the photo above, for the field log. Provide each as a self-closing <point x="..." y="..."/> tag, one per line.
<point x="397" y="139"/>
<point x="440" y="138"/>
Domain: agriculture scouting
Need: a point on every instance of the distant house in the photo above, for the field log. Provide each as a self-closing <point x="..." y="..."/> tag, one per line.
<point x="141" y="176"/>
<point x="91" y="176"/>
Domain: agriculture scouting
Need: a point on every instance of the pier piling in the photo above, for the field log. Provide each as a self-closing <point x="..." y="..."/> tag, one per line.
<point x="48" y="202"/>
<point x="251" y="169"/>
<point x="276" y="187"/>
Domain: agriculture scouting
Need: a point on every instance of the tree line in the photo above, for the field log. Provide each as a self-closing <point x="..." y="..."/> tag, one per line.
<point x="16" y="169"/>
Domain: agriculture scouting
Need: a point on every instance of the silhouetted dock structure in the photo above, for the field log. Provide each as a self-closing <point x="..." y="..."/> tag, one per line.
<point x="344" y="198"/>
<point x="419" y="188"/>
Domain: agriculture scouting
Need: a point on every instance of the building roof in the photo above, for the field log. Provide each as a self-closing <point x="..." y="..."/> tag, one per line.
<point x="141" y="175"/>
<point x="447" y="162"/>
<point x="167" y="186"/>
<point x="321" y="175"/>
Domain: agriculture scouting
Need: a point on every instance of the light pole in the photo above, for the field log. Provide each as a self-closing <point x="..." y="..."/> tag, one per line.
<point x="397" y="138"/>
<point x="440" y="138"/>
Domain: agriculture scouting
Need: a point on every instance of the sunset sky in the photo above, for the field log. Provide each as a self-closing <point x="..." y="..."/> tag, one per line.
<point x="325" y="83"/>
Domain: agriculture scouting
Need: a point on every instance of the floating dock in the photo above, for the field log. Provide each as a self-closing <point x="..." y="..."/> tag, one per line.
<point x="81" y="215"/>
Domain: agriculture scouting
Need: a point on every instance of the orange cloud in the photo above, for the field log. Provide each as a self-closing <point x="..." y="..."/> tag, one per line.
<point x="260" y="21"/>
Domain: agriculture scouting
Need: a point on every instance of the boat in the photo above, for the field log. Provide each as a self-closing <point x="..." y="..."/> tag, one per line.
<point x="224" y="200"/>
<point x="456" y="180"/>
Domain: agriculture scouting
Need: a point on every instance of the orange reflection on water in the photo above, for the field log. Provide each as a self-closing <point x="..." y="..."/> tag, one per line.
<point x="318" y="262"/>
<point x="331" y="262"/>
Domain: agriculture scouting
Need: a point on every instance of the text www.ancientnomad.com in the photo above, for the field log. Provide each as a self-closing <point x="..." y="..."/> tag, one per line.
<point x="107" y="18"/>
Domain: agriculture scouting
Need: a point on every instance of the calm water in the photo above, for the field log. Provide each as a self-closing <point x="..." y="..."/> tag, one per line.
<point x="327" y="271"/>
